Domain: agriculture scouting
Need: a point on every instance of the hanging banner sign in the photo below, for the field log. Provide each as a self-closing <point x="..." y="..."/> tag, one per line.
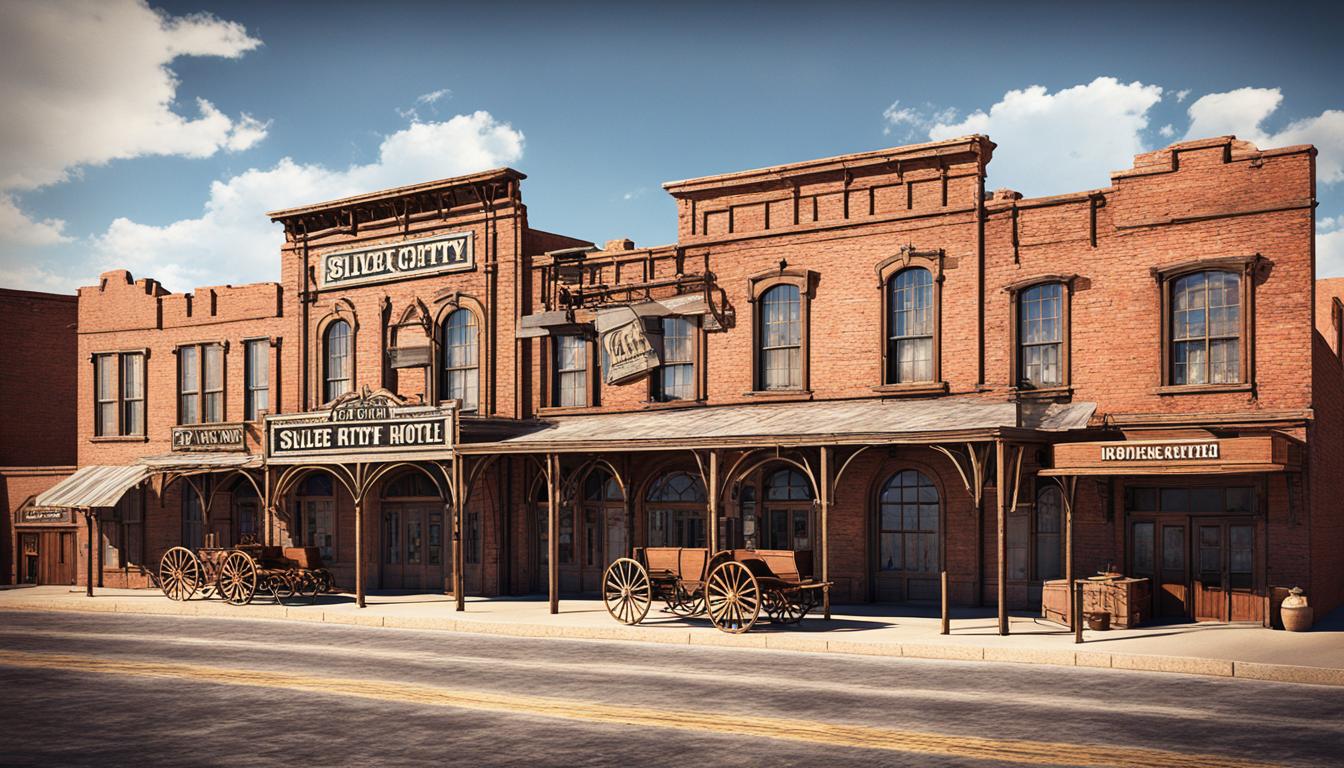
<point x="628" y="353"/>
<point x="391" y="261"/>
<point x="208" y="437"/>
<point x="359" y="427"/>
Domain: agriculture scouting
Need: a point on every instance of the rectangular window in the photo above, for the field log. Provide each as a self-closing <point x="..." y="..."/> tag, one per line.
<point x="471" y="545"/>
<point x="119" y="394"/>
<point x="200" y="384"/>
<point x="781" y="339"/>
<point x="675" y="378"/>
<point x="1040" y="336"/>
<point x="105" y="395"/>
<point x="188" y="385"/>
<point x="1017" y="546"/>
<point x="1205" y="328"/>
<point x="257" y="397"/>
<point x="319" y="527"/>
<point x="571" y="371"/>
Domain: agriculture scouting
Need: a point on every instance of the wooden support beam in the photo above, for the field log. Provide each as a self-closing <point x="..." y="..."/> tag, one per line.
<point x="553" y="529"/>
<point x="359" y="550"/>
<point x="713" y="501"/>
<point x="88" y="584"/>
<point x="1000" y="490"/>
<point x="459" y="510"/>
<point x="825" y="529"/>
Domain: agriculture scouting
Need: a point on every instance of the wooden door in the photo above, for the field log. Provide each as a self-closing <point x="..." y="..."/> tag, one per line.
<point x="30" y="564"/>
<point x="1226" y="585"/>
<point x="413" y="551"/>
<point x="1172" y="584"/>
<point x="47" y="557"/>
<point x="788" y="527"/>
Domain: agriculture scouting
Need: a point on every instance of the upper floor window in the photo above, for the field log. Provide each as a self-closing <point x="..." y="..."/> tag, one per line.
<point x="257" y="394"/>
<point x="338" y="368"/>
<point x="780" y="339"/>
<point x="1206" y="328"/>
<point x="119" y="394"/>
<point x="200" y="383"/>
<point x="910" y="326"/>
<point x="675" y="378"/>
<point x="571" y="371"/>
<point x="460" y="377"/>
<point x="1040" y="336"/>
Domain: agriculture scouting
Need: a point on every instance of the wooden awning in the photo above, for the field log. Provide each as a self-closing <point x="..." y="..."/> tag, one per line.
<point x="1202" y="456"/>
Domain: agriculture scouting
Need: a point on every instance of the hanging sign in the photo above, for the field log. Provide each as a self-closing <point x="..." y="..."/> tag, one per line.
<point x="627" y="351"/>
<point x="391" y="261"/>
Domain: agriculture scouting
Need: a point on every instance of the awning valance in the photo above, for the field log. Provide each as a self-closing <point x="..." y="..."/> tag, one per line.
<point x="92" y="487"/>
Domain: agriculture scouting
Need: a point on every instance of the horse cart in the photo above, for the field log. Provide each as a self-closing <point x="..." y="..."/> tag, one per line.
<point x="237" y="574"/>
<point x="732" y="586"/>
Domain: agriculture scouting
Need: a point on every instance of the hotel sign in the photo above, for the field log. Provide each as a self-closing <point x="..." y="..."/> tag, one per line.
<point x="391" y="261"/>
<point x="363" y="428"/>
<point x="1202" y="451"/>
<point x="208" y="437"/>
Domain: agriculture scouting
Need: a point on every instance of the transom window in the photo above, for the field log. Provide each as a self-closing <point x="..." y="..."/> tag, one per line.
<point x="910" y="326"/>
<point x="571" y="371"/>
<point x="1206" y="328"/>
<point x="1040" y="336"/>
<point x="788" y="485"/>
<point x="200" y="384"/>
<point x="908" y="524"/>
<point x="676" y="510"/>
<point x="119" y="394"/>
<point x="675" y="378"/>
<point x="461" y="378"/>
<point x="337" y="369"/>
<point x="780" y="339"/>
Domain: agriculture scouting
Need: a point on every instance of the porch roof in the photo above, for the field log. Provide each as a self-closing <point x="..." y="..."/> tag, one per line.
<point x="834" y="422"/>
<point x="93" y="487"/>
<point x="205" y="461"/>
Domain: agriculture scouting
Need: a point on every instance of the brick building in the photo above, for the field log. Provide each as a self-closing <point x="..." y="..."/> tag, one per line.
<point x="868" y="356"/>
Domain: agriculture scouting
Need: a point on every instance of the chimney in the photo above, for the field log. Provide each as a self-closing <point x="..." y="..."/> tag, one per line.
<point x="623" y="244"/>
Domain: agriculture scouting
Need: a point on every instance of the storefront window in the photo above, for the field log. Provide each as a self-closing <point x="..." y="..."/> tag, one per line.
<point x="676" y="504"/>
<point x="1195" y="500"/>
<point x="908" y="523"/>
<point x="193" y="520"/>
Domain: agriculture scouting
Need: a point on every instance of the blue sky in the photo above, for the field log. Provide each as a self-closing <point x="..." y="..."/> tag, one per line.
<point x="155" y="139"/>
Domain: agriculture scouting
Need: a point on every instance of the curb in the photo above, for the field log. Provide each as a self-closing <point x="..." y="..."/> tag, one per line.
<point x="1186" y="665"/>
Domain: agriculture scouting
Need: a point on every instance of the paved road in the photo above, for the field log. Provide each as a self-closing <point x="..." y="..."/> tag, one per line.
<point x="84" y="689"/>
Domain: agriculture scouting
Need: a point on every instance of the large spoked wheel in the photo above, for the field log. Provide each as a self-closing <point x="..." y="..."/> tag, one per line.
<point x="179" y="573"/>
<point x="626" y="591"/>
<point x="733" y="597"/>
<point x="238" y="578"/>
<point x="785" y="610"/>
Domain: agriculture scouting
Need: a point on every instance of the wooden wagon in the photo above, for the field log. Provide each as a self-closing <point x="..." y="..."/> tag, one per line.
<point x="237" y="574"/>
<point x="732" y="586"/>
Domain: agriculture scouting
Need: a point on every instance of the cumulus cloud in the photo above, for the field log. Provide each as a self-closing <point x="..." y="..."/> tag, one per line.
<point x="232" y="241"/>
<point x="1064" y="141"/>
<point x="17" y="229"/>
<point x="1330" y="252"/>
<point x="1244" y="111"/>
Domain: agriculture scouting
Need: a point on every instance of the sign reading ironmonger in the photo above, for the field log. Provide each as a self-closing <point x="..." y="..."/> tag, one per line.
<point x="363" y="427"/>
<point x="1160" y="451"/>
<point x="390" y="261"/>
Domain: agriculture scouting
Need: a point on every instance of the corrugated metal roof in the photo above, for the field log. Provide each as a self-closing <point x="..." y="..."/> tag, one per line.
<point x="200" y="460"/>
<point x="93" y="486"/>
<point x="847" y="421"/>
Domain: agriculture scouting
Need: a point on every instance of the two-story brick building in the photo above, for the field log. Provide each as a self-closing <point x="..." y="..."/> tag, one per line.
<point x="867" y="356"/>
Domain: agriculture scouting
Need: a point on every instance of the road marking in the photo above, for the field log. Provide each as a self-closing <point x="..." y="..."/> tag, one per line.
<point x="1062" y="701"/>
<point x="787" y="729"/>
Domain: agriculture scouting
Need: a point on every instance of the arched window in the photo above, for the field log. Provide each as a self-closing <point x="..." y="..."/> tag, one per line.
<point x="1040" y="336"/>
<point x="460" y="375"/>
<point x="676" y="511"/>
<point x="1049" y="522"/>
<point x="410" y="485"/>
<point x="788" y="520"/>
<point x="788" y="485"/>
<point x="908" y="511"/>
<point x="601" y="486"/>
<point x="1206" y="328"/>
<point x="780" y="339"/>
<point x="604" y="536"/>
<point x="910" y="326"/>
<point x="337" y="369"/>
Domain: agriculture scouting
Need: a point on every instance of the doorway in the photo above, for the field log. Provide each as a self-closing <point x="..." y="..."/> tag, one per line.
<point x="47" y="557"/>
<point x="411" y="552"/>
<point x="1158" y="553"/>
<point x="1224" y="585"/>
<point x="789" y="512"/>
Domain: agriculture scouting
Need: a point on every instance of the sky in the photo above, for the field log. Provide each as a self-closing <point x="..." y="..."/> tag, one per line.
<point x="155" y="137"/>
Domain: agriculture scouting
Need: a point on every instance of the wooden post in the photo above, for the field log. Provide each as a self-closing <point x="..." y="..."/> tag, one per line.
<point x="459" y="511"/>
<point x="359" y="550"/>
<point x="947" y="624"/>
<point x="825" y="532"/>
<point x="88" y="584"/>
<point x="1000" y="489"/>
<point x="713" y="501"/>
<point x="1067" y="488"/>
<point x="1077" y="612"/>
<point x="553" y="529"/>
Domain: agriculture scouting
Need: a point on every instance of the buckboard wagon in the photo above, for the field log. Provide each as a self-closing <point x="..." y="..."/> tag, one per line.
<point x="732" y="586"/>
<point x="237" y="574"/>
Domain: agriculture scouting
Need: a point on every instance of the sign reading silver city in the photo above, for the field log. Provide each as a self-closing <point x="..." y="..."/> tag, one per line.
<point x="363" y="426"/>
<point x="1160" y="451"/>
<point x="391" y="261"/>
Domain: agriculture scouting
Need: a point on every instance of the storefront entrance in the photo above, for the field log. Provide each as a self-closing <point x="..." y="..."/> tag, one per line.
<point x="591" y="536"/>
<point x="47" y="557"/>
<point x="412" y="551"/>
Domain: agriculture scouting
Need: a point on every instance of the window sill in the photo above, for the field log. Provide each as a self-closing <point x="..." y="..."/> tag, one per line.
<point x="779" y="395"/>
<point x="662" y="405"/>
<point x="1043" y="393"/>
<point x="119" y="439"/>
<point x="913" y="388"/>
<point x="568" y="410"/>
<point x="1201" y="389"/>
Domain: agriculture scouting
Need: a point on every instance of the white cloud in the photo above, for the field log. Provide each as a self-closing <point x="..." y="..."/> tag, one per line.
<point x="1182" y="95"/>
<point x="1070" y="140"/>
<point x="1327" y="224"/>
<point x="1330" y="252"/>
<point x="896" y="115"/>
<point x="1166" y="131"/>
<point x="233" y="241"/>
<point x="1244" y="111"/>
<point x="433" y="96"/>
<point x="17" y="229"/>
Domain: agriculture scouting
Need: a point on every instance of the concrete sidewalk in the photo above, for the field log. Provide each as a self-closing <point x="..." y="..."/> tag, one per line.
<point x="1227" y="650"/>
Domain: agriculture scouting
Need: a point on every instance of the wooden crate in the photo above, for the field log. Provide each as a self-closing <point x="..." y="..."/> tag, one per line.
<point x="1124" y="598"/>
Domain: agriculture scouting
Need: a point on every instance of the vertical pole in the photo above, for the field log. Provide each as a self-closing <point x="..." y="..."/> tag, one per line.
<point x="1077" y="612"/>
<point x="1068" y="541"/>
<point x="459" y="513"/>
<point x="946" y="628"/>
<point x="553" y="529"/>
<point x="1002" y="558"/>
<point x="359" y="550"/>
<point x="713" y="501"/>
<point x="825" y="531"/>
<point x="88" y="584"/>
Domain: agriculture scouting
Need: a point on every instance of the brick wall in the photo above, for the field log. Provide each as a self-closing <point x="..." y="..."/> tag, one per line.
<point x="37" y="380"/>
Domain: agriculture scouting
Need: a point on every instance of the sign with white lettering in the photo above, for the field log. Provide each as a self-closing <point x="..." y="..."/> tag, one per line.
<point x="208" y="437"/>
<point x="48" y="515"/>
<point x="1201" y="451"/>
<point x="360" y="427"/>
<point x="390" y="261"/>
<point x="628" y="352"/>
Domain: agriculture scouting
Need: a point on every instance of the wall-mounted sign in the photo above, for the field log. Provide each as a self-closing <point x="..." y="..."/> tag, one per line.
<point x="208" y="437"/>
<point x="408" y="357"/>
<point x="48" y="515"/>
<point x="390" y="261"/>
<point x="358" y="427"/>
<point x="628" y="352"/>
<point x="1201" y="451"/>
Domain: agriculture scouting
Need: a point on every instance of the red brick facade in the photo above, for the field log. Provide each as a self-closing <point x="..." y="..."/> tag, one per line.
<point x="839" y="229"/>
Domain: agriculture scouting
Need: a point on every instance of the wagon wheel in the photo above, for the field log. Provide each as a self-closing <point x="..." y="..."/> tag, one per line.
<point x="179" y="573"/>
<point x="733" y="597"/>
<point x="238" y="578"/>
<point x="626" y="591"/>
<point x="783" y="610"/>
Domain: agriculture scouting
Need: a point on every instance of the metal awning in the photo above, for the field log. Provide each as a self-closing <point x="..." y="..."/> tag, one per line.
<point x="200" y="461"/>
<point x="836" y="422"/>
<point x="90" y="487"/>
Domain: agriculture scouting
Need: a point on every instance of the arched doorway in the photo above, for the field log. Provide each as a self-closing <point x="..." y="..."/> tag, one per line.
<point x="788" y="520"/>
<point x="602" y="534"/>
<point x="412" y="554"/>
<point x="676" y="511"/>
<point x="246" y="515"/>
<point x="909" y="518"/>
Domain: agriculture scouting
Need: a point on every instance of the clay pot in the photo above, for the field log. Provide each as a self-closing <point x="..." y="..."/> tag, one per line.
<point x="1297" y="615"/>
<point x="1099" y="621"/>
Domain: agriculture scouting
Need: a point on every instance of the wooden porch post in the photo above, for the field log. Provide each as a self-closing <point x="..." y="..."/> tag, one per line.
<point x="713" y="501"/>
<point x="825" y="531"/>
<point x="459" y="511"/>
<point x="88" y="584"/>
<point x="1067" y="487"/>
<point x="359" y="550"/>
<point x="1000" y="490"/>
<point x="553" y="529"/>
